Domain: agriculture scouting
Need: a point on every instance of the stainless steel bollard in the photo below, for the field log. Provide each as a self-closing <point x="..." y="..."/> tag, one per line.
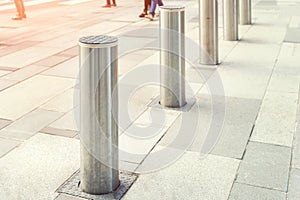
<point x="245" y="12"/>
<point x="172" y="56"/>
<point x="98" y="108"/>
<point x="230" y="20"/>
<point x="208" y="38"/>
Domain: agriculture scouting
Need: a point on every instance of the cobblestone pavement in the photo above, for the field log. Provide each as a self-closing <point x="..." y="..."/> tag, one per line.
<point x="238" y="138"/>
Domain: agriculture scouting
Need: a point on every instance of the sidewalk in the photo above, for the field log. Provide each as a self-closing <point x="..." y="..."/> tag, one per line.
<point x="237" y="138"/>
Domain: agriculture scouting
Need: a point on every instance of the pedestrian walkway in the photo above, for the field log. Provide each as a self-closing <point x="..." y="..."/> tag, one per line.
<point x="237" y="138"/>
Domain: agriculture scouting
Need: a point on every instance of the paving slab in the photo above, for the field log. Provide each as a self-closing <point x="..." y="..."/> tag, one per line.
<point x="59" y="132"/>
<point x="132" y="106"/>
<point x="4" y="84"/>
<point x="68" y="197"/>
<point x="3" y="72"/>
<point x="67" y="121"/>
<point x="296" y="147"/>
<point x="283" y="83"/>
<point x="63" y="102"/>
<point x="245" y="79"/>
<point x="25" y="72"/>
<point x="188" y="178"/>
<point x="31" y="94"/>
<point x="29" y="124"/>
<point x="4" y="123"/>
<point x="276" y="121"/>
<point x="293" y="191"/>
<point x="235" y="122"/>
<point x="27" y="56"/>
<point x="6" y="145"/>
<point x="28" y="163"/>
<point x="137" y="141"/>
<point x="248" y="192"/>
<point x="69" y="69"/>
<point x="292" y="35"/>
<point x="265" y="165"/>
<point x="53" y="60"/>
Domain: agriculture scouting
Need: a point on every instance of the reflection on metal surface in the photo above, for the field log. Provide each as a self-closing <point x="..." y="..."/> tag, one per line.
<point x="245" y="12"/>
<point x="172" y="56"/>
<point x="230" y="20"/>
<point x="98" y="130"/>
<point x="208" y="38"/>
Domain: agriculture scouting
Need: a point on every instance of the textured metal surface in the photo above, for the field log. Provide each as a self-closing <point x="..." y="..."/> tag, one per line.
<point x="172" y="8"/>
<point x="230" y="20"/>
<point x="98" y="39"/>
<point x="172" y="56"/>
<point x="98" y="110"/>
<point x="245" y="12"/>
<point x="208" y="24"/>
<point x="71" y="187"/>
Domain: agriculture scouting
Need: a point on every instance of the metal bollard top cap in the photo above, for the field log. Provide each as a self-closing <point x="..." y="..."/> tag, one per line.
<point x="170" y="8"/>
<point x="98" y="41"/>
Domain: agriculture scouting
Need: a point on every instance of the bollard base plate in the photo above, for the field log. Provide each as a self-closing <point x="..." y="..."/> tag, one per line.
<point x="186" y="108"/>
<point x="71" y="187"/>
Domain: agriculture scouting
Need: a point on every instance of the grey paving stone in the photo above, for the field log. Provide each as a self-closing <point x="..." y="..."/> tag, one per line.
<point x="38" y="167"/>
<point x="59" y="132"/>
<point x="248" y="192"/>
<point x="189" y="177"/>
<point x="7" y="145"/>
<point x="24" y="97"/>
<point x="240" y="115"/>
<point x="265" y="165"/>
<point x="68" y="197"/>
<point x="232" y="136"/>
<point x="276" y="121"/>
<point x="294" y="192"/>
<point x="296" y="147"/>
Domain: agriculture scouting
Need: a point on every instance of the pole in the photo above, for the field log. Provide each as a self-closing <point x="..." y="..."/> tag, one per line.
<point x="172" y="56"/>
<point x="245" y="12"/>
<point x="208" y="39"/>
<point x="98" y="109"/>
<point x="230" y="20"/>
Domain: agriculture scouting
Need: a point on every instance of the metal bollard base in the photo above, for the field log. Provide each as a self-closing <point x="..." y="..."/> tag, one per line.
<point x="71" y="187"/>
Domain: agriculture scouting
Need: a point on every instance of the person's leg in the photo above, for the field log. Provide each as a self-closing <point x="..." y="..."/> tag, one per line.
<point x="107" y="4"/>
<point x="114" y="3"/>
<point x="147" y="4"/>
<point x="160" y="3"/>
<point x="153" y="7"/>
<point x="20" y="10"/>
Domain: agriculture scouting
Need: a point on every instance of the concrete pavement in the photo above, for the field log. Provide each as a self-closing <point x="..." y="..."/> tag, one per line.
<point x="242" y="115"/>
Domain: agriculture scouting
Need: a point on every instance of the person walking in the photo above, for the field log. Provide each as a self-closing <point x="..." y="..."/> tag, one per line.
<point x="108" y="4"/>
<point x="147" y="4"/>
<point x="20" y="10"/>
<point x="154" y="3"/>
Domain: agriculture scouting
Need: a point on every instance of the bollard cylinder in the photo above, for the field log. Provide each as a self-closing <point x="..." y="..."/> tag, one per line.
<point x="208" y="37"/>
<point x="230" y="20"/>
<point x="245" y="12"/>
<point x="98" y="110"/>
<point x="172" y="56"/>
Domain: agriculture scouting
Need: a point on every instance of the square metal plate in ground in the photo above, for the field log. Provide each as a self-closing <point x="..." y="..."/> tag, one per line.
<point x="186" y="108"/>
<point x="71" y="187"/>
